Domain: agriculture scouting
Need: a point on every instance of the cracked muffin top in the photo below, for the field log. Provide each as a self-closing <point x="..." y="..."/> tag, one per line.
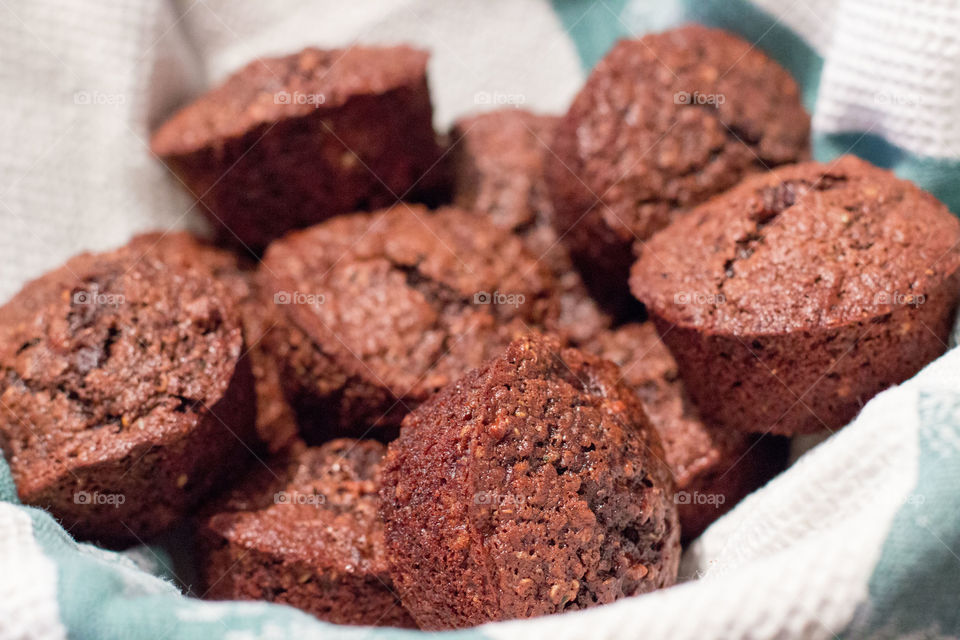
<point x="408" y="298"/>
<point x="110" y="352"/>
<point x="533" y="485"/>
<point x="811" y="245"/>
<point x="666" y="121"/>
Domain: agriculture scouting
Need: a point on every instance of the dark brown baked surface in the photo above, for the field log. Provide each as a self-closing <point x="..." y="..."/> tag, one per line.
<point x="304" y="531"/>
<point x="498" y="172"/>
<point x="792" y="299"/>
<point x="374" y="312"/>
<point x="662" y="124"/>
<point x="287" y="142"/>
<point x="533" y="485"/>
<point x="714" y="468"/>
<point x="125" y="394"/>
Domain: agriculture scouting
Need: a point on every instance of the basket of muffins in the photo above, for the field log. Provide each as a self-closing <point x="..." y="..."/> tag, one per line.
<point x="435" y="379"/>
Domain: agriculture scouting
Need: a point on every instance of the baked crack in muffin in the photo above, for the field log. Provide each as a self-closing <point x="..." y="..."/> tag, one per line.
<point x="794" y="298"/>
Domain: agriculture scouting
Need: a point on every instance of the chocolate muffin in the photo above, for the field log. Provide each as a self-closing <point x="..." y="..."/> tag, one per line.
<point x="124" y="394"/>
<point x="662" y="124"/>
<point x="275" y="421"/>
<point x="375" y="312"/>
<point x="287" y="142"/>
<point x="498" y="172"/>
<point x="714" y="468"/>
<point x="792" y="299"/>
<point x="533" y="485"/>
<point x="304" y="531"/>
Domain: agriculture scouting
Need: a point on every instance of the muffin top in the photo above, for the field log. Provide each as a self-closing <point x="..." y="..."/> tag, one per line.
<point x="806" y="246"/>
<point x="271" y="89"/>
<point x="111" y="351"/>
<point x="406" y="297"/>
<point x="666" y="121"/>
